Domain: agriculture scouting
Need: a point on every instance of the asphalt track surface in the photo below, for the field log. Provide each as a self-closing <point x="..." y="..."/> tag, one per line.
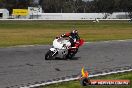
<point x="21" y="66"/>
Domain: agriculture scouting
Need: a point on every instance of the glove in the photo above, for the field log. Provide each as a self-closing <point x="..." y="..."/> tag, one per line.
<point x="70" y="36"/>
<point x="63" y="35"/>
<point x="75" y="40"/>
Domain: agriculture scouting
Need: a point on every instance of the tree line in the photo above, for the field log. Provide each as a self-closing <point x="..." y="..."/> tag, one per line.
<point x="72" y="6"/>
<point x="79" y="6"/>
<point x="15" y="4"/>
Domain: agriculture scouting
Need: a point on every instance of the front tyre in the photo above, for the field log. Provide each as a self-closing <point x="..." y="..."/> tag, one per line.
<point x="48" y="55"/>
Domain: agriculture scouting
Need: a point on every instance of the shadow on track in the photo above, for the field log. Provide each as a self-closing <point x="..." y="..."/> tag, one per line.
<point x="74" y="58"/>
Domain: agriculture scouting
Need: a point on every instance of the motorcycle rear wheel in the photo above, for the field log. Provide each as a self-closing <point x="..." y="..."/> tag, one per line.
<point x="71" y="54"/>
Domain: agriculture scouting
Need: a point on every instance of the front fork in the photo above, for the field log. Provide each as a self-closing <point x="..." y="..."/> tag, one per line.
<point x="54" y="51"/>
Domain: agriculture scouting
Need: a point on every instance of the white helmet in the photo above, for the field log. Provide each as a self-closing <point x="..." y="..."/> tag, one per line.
<point x="74" y="31"/>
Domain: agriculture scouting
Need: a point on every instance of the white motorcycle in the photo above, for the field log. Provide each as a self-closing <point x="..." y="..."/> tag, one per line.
<point x="62" y="49"/>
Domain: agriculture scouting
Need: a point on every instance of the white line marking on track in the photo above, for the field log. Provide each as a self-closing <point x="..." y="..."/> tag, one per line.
<point x="71" y="79"/>
<point x="85" y="43"/>
<point x="111" y="41"/>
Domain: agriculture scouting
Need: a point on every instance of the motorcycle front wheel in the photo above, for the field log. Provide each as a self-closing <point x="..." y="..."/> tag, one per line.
<point x="48" y="55"/>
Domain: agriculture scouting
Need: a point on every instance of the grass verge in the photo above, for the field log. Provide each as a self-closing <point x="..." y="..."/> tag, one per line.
<point x="14" y="33"/>
<point x="76" y="84"/>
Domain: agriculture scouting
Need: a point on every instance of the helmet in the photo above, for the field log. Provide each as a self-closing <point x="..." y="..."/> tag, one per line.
<point x="74" y="32"/>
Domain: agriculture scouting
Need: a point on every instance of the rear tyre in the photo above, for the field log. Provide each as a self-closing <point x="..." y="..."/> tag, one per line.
<point x="71" y="54"/>
<point x="48" y="55"/>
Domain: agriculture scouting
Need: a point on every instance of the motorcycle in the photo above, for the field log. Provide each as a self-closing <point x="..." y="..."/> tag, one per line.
<point x="62" y="49"/>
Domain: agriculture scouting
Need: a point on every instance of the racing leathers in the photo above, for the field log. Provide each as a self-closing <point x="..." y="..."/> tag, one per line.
<point x="73" y="37"/>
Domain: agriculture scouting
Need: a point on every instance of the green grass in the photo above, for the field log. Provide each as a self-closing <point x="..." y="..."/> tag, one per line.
<point x="62" y="24"/>
<point x="14" y="33"/>
<point x="76" y="84"/>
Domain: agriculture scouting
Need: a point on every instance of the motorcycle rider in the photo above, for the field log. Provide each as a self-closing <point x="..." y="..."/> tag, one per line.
<point x="73" y="35"/>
